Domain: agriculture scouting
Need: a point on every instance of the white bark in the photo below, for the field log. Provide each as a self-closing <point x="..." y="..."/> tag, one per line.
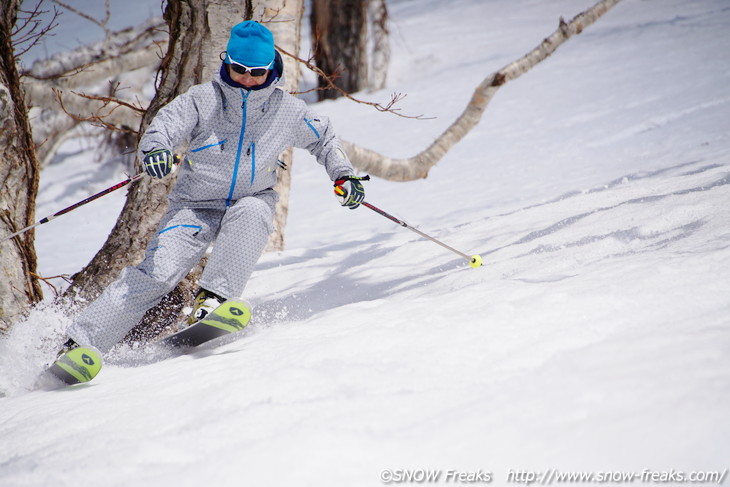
<point x="418" y="166"/>
<point x="380" y="38"/>
<point x="19" y="176"/>
<point x="13" y="209"/>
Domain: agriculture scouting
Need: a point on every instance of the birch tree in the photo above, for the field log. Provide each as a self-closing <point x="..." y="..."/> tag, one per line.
<point x="19" y="174"/>
<point x="380" y="50"/>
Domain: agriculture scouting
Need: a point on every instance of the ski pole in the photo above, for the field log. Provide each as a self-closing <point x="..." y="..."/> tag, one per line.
<point x="176" y="160"/>
<point x="474" y="261"/>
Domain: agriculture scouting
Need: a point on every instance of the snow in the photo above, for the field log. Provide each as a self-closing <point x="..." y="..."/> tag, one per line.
<point x="594" y="338"/>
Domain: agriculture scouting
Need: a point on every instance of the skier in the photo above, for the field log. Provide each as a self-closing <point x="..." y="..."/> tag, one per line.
<point x="236" y="126"/>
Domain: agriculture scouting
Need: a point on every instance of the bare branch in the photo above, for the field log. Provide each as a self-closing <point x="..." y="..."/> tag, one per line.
<point x="110" y="99"/>
<point x="47" y="281"/>
<point x="395" y="97"/>
<point x="27" y="29"/>
<point x="126" y="51"/>
<point x="100" y="23"/>
<point x="98" y="119"/>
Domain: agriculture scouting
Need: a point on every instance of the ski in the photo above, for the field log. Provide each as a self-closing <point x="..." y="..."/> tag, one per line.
<point x="230" y="317"/>
<point x="76" y="366"/>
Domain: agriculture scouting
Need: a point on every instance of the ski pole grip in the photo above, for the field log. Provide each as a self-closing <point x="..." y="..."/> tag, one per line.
<point x="357" y="178"/>
<point x="177" y="160"/>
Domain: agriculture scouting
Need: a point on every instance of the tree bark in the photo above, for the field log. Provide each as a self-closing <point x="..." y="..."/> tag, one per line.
<point x="380" y="53"/>
<point x="19" y="175"/>
<point x="418" y="166"/>
<point x="339" y="37"/>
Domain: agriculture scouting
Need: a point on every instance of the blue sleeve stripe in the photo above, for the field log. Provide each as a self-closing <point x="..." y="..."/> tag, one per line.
<point x="309" y="122"/>
<point x="198" y="227"/>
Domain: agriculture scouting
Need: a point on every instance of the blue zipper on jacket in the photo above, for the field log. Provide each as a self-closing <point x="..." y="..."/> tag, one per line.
<point x="244" y="94"/>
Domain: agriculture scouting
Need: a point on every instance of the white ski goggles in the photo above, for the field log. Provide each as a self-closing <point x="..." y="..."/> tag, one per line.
<point x="243" y="69"/>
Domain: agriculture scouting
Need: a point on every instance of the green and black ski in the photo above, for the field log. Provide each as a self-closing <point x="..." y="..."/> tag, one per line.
<point x="230" y="317"/>
<point x="78" y="365"/>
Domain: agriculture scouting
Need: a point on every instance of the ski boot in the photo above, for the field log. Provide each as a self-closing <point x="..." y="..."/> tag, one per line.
<point x="205" y="302"/>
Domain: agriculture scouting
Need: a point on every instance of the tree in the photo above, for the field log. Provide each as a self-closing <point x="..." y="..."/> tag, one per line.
<point x="19" y="174"/>
<point x="380" y="53"/>
<point x="350" y="41"/>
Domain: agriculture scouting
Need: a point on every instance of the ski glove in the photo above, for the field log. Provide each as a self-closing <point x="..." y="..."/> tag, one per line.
<point x="349" y="190"/>
<point x="158" y="162"/>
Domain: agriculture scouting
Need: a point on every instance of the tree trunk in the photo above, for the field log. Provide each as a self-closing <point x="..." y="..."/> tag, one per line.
<point x="380" y="36"/>
<point x="339" y="36"/>
<point x="19" y="285"/>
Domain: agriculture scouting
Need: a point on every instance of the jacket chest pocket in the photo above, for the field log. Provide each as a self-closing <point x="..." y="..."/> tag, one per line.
<point x="212" y="145"/>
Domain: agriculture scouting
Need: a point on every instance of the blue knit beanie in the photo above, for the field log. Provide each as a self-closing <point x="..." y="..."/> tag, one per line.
<point x="250" y="44"/>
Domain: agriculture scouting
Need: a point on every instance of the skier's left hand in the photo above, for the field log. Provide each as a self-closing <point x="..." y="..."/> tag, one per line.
<point x="349" y="190"/>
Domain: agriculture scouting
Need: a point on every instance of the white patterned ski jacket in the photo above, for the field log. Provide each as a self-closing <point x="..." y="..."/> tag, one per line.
<point x="235" y="137"/>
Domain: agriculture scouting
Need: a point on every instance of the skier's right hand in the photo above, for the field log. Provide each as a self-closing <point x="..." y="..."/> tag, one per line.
<point x="349" y="190"/>
<point x="158" y="162"/>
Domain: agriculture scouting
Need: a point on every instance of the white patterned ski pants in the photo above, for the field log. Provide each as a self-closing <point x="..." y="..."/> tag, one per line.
<point x="239" y="233"/>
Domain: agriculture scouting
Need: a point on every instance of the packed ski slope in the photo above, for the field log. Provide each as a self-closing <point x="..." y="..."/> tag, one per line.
<point x="595" y="338"/>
